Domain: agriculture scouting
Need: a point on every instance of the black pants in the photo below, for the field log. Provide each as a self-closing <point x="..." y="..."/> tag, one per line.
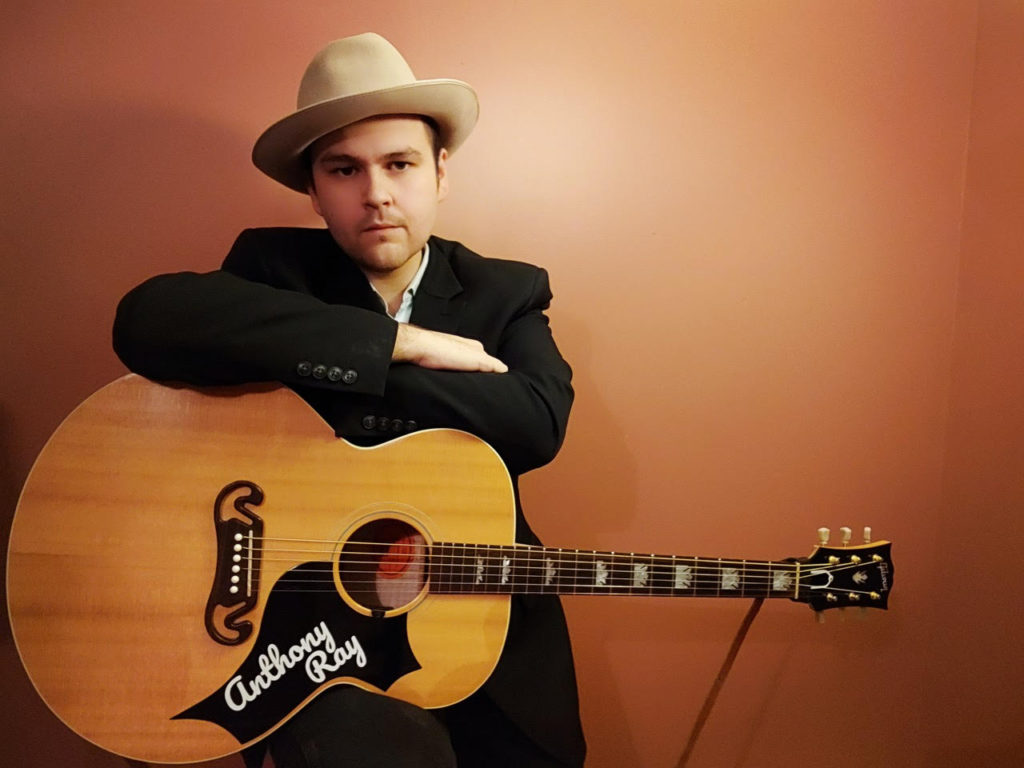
<point x="346" y="727"/>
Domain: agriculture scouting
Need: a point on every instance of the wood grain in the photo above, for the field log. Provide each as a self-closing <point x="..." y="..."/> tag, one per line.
<point x="112" y="551"/>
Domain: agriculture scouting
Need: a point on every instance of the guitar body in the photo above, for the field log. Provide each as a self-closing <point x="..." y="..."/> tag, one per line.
<point x="117" y="541"/>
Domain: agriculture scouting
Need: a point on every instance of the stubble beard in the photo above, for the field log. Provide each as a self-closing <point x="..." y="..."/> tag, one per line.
<point x="386" y="256"/>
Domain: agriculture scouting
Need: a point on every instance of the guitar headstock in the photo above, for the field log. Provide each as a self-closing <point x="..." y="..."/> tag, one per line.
<point x="848" y="575"/>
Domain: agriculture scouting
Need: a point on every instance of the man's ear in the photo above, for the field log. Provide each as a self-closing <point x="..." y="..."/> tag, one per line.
<point x="313" y="199"/>
<point x="442" y="174"/>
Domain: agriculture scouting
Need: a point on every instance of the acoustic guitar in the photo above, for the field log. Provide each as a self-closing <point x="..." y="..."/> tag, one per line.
<point x="189" y="567"/>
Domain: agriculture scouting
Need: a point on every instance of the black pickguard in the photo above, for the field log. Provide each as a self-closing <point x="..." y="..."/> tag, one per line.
<point x="308" y="636"/>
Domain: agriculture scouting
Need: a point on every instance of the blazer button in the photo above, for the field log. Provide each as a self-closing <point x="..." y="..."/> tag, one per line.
<point x="304" y="368"/>
<point x="383" y="422"/>
<point x="334" y="373"/>
<point x="349" y="376"/>
<point x="410" y="426"/>
<point x="397" y="426"/>
<point x="319" y="371"/>
<point x="369" y="422"/>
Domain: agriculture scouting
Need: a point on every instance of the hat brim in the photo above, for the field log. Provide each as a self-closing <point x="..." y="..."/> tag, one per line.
<point x="451" y="104"/>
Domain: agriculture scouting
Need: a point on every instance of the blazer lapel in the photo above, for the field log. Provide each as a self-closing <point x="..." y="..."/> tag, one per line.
<point x="340" y="281"/>
<point x="438" y="304"/>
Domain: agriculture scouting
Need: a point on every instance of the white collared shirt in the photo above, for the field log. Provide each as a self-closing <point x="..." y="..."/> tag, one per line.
<point x="405" y="308"/>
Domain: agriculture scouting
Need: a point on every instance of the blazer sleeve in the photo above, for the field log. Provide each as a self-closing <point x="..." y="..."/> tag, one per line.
<point x="235" y="326"/>
<point x="523" y="413"/>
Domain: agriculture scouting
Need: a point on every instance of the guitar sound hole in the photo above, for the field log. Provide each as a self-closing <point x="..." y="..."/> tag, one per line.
<point x="382" y="566"/>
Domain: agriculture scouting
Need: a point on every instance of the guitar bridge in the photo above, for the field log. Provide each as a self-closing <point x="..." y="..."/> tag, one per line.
<point x="236" y="580"/>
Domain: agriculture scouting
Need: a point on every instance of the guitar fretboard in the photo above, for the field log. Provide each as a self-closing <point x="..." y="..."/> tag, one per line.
<point x="497" y="569"/>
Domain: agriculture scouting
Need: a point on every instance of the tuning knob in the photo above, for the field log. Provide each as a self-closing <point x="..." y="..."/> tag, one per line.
<point x="867" y="534"/>
<point x="823" y="534"/>
<point x="847" y="534"/>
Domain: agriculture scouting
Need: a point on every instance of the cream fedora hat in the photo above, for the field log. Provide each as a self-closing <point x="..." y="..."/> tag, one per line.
<point x="350" y="80"/>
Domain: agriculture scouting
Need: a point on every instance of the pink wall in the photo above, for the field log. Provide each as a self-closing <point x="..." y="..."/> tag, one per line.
<point x="787" y="270"/>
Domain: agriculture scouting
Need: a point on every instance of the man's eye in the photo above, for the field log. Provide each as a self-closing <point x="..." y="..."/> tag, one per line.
<point x="342" y="170"/>
<point x="400" y="165"/>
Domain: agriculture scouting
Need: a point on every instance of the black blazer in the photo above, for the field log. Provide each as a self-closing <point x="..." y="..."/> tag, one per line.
<point x="289" y="306"/>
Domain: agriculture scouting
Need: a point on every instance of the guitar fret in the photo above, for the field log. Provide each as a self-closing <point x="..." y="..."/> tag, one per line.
<point x="756" y="581"/>
<point x="544" y="571"/>
<point x="514" y="576"/>
<point x="571" y="572"/>
<point x="553" y="568"/>
<point x="639" y="575"/>
<point x="662" y="576"/>
<point x="435" y="568"/>
<point x="782" y="578"/>
<point x="565" y="575"/>
<point x="684" y="577"/>
<point x="705" y="579"/>
<point x="508" y="576"/>
<point x="469" y="568"/>
<point x="619" y="573"/>
<point x="578" y="579"/>
<point x="577" y="574"/>
<point x="527" y="565"/>
<point x="482" y="568"/>
<point x="598" y="572"/>
<point x="489" y="569"/>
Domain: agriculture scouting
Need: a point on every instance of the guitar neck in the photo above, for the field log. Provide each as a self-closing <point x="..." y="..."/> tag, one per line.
<point x="518" y="569"/>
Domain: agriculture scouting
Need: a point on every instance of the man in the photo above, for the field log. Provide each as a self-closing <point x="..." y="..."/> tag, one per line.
<point x="385" y="329"/>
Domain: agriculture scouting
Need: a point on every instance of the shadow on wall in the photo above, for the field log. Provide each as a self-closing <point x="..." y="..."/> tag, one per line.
<point x="1008" y="755"/>
<point x="108" y="194"/>
<point x="572" y="503"/>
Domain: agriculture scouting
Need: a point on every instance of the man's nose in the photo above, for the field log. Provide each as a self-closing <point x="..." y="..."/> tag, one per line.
<point x="378" y="188"/>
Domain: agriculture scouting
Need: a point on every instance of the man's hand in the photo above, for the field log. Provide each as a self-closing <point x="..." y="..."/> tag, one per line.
<point x="442" y="351"/>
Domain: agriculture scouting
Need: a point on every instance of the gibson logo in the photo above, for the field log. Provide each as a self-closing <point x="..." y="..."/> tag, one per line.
<point x="317" y="650"/>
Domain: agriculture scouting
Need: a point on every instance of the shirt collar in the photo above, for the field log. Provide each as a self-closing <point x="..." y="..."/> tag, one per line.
<point x="404" y="312"/>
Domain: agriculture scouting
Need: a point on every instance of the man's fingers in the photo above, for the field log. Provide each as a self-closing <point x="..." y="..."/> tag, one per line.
<point x="443" y="351"/>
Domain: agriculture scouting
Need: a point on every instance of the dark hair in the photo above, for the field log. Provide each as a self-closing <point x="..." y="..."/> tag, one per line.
<point x="436" y="145"/>
<point x="435" y="137"/>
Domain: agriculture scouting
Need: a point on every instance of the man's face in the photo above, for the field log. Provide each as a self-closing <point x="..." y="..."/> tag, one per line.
<point x="376" y="185"/>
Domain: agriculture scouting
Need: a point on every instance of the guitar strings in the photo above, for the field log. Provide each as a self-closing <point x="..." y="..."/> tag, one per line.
<point x="462" y="568"/>
<point x="502" y="551"/>
<point x="566" y="584"/>
<point x="570" y="578"/>
<point x="518" y="556"/>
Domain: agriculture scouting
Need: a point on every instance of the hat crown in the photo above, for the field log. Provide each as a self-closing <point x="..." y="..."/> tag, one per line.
<point x="353" y="65"/>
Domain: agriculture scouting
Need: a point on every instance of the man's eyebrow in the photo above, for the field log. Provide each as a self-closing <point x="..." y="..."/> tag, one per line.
<point x="335" y="157"/>
<point x="410" y="153"/>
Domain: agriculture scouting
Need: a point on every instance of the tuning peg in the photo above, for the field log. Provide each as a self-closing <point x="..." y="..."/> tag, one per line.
<point x="823" y="534"/>
<point x="867" y="534"/>
<point x="847" y="534"/>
